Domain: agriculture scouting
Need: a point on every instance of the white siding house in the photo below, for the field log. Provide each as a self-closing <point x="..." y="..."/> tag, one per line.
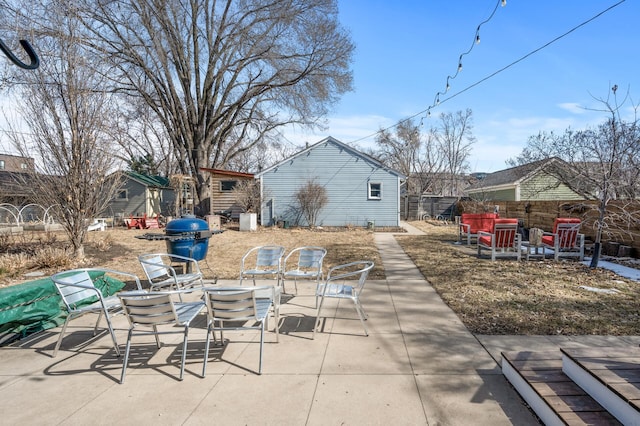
<point x="361" y="191"/>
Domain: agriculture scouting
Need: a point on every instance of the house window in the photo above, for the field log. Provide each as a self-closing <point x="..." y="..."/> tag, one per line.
<point x="227" y="185"/>
<point x="122" y="194"/>
<point x="375" y="191"/>
<point x="1" y="164"/>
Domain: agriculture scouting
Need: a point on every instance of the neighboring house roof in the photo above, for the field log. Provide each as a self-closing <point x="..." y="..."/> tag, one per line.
<point x="515" y="175"/>
<point x="227" y="172"/>
<point x="344" y="146"/>
<point x="149" y="181"/>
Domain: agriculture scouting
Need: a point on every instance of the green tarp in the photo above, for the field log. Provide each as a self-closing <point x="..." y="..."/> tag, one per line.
<point x="36" y="305"/>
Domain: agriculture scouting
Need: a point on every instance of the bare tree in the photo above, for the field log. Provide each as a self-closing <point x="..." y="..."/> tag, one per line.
<point x="247" y="195"/>
<point x="68" y="121"/>
<point x="433" y="161"/>
<point x="222" y="76"/>
<point x="454" y="136"/>
<point x="408" y="151"/>
<point x="605" y="163"/>
<point x="311" y="198"/>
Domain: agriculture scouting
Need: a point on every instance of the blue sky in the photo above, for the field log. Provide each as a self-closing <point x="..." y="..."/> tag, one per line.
<point x="405" y="50"/>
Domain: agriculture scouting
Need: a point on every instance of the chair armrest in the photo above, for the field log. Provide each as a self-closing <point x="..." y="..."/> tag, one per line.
<point x="125" y="274"/>
<point x="488" y="234"/>
<point x="465" y="228"/>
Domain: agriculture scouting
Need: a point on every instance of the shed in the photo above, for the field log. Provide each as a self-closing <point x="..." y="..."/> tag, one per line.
<point x="142" y="195"/>
<point x="548" y="179"/>
<point x="361" y="191"/>
<point x="221" y="189"/>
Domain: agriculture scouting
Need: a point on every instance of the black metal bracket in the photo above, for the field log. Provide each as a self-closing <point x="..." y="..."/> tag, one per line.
<point x="33" y="57"/>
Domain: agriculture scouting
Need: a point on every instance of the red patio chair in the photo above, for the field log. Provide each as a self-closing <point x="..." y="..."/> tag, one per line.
<point x="504" y="241"/>
<point x="566" y="239"/>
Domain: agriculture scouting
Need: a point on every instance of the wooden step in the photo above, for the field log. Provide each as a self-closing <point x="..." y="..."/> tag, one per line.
<point x="611" y="376"/>
<point x="551" y="394"/>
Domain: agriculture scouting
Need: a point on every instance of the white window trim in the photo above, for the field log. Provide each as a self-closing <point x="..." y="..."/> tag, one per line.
<point x="371" y="197"/>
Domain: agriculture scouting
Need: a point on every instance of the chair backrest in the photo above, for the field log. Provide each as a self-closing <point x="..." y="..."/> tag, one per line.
<point x="505" y="232"/>
<point x="309" y="258"/>
<point x="72" y="295"/>
<point x="231" y="304"/>
<point x="359" y="268"/>
<point x="567" y="230"/>
<point x="148" y="308"/>
<point x="479" y="221"/>
<point x="153" y="266"/>
<point x="265" y="256"/>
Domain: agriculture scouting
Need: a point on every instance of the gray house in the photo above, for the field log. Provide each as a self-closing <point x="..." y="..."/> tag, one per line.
<point x="361" y="191"/>
<point x="142" y="195"/>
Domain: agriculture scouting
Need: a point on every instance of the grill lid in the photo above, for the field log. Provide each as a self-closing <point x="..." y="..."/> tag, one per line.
<point x="186" y="224"/>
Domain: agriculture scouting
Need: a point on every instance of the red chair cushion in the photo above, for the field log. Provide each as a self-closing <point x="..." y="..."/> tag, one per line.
<point x="485" y="240"/>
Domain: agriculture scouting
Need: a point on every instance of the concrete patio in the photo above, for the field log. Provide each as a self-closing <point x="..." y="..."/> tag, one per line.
<point x="418" y="366"/>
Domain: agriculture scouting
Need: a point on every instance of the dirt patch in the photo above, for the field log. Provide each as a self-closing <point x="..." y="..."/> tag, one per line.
<point x="526" y="297"/>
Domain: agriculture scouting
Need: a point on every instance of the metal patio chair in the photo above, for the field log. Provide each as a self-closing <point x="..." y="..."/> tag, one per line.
<point x="160" y="269"/>
<point x="345" y="282"/>
<point x="80" y="297"/>
<point x="249" y="306"/>
<point x="262" y="261"/>
<point x="303" y="263"/>
<point x="148" y="310"/>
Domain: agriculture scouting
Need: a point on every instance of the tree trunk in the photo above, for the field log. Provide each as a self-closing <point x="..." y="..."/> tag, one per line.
<point x="596" y="255"/>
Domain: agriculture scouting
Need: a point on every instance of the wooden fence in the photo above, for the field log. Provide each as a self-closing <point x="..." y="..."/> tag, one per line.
<point x="414" y="207"/>
<point x="622" y="223"/>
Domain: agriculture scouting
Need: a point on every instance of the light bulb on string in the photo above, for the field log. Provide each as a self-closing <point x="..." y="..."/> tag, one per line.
<point x="478" y="39"/>
<point x="459" y="66"/>
<point x="448" y="87"/>
<point x="504" y="3"/>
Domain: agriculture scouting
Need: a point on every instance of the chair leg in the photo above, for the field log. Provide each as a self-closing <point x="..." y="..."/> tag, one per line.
<point x="261" y="346"/>
<point x="126" y="356"/>
<point x="361" y="315"/>
<point x="206" y="348"/>
<point x="317" y="317"/>
<point x="184" y="350"/>
<point x="113" y="335"/>
<point x="95" y="329"/>
<point x="64" y="329"/>
<point x="157" y="336"/>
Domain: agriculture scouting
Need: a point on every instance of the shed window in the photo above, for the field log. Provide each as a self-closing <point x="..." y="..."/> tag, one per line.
<point x="123" y="194"/>
<point x="1" y="164"/>
<point x="227" y="185"/>
<point x="375" y="191"/>
<point x="23" y="166"/>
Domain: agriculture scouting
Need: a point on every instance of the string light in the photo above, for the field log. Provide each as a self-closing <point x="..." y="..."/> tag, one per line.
<point x="504" y="3"/>
<point x="477" y="38"/>
<point x="522" y="58"/>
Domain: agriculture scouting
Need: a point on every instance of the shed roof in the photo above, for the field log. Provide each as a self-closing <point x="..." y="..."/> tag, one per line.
<point x="150" y="181"/>
<point x="229" y="173"/>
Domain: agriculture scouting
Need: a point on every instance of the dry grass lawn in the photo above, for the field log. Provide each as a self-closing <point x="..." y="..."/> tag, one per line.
<point x="527" y="298"/>
<point x="502" y="297"/>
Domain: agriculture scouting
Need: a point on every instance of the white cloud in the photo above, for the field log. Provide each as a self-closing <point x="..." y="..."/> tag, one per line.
<point x="358" y="129"/>
<point x="572" y="107"/>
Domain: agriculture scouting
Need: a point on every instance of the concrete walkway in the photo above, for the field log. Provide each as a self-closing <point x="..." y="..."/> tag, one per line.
<point x="418" y="366"/>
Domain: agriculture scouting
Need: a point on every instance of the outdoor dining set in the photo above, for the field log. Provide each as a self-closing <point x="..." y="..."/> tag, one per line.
<point x="503" y="237"/>
<point x="177" y="293"/>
